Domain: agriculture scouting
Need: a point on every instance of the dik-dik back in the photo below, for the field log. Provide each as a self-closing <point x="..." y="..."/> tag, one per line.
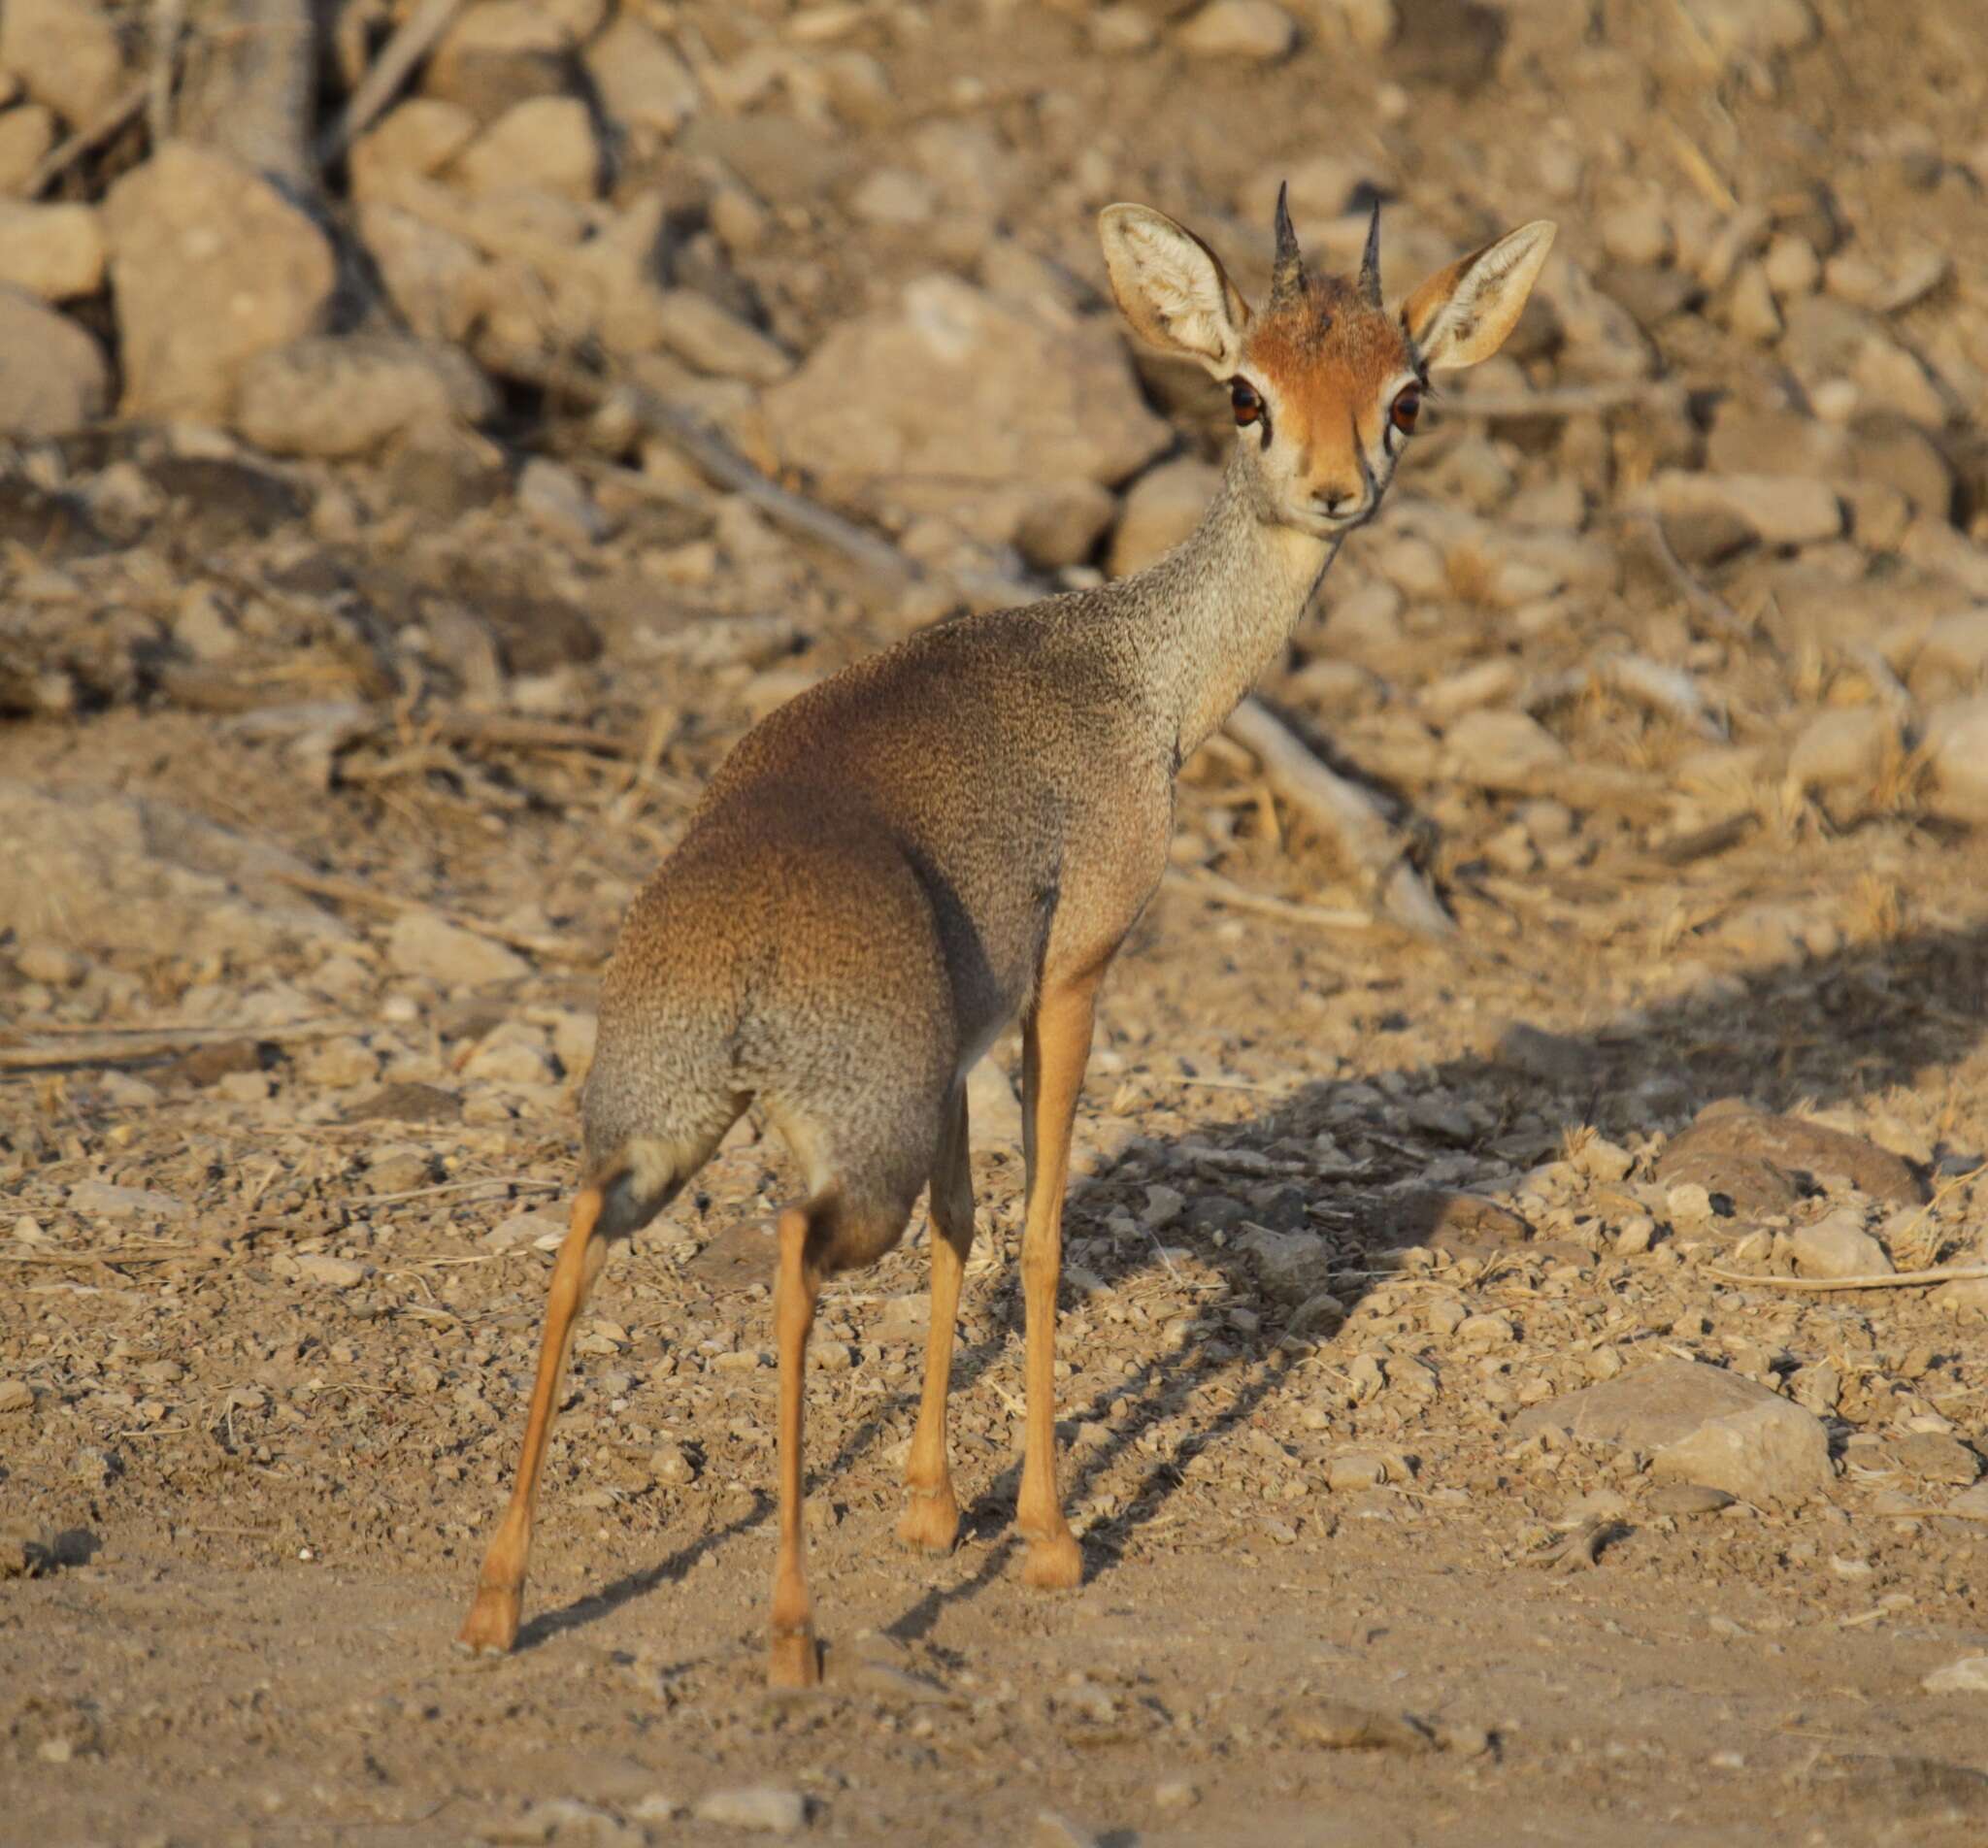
<point x="876" y="879"/>
<point x="961" y="832"/>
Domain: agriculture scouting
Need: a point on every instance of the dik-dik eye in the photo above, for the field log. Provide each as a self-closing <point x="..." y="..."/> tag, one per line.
<point x="1406" y="409"/>
<point x="1246" y="400"/>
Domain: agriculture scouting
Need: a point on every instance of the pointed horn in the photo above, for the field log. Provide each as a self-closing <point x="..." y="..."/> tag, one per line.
<point x="1370" y="260"/>
<point x="1288" y="273"/>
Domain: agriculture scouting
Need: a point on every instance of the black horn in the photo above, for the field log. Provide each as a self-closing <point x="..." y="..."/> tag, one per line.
<point x="1288" y="273"/>
<point x="1370" y="260"/>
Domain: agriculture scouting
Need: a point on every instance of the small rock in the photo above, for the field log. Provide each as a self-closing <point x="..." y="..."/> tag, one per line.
<point x="1752" y="28"/>
<point x="1055" y="1831"/>
<point x="1162" y="507"/>
<point x="1354" y="1470"/>
<point x="1062" y="523"/>
<point x="1956" y="747"/>
<point x="1501" y="750"/>
<point x="528" y="1227"/>
<point x="1255" y="29"/>
<point x="1838" y="1246"/>
<point x="1291" y="1267"/>
<point x="51" y="252"/>
<point x="105" y="1201"/>
<point x="1700" y="1425"/>
<point x="642" y="83"/>
<point x="701" y="334"/>
<point x="993" y="1110"/>
<point x="338" y="1273"/>
<point x="420" y="137"/>
<point x="765" y="1807"/>
<point x="498" y="55"/>
<point x="1341" y="1726"/>
<point x="421" y="944"/>
<point x="1173" y="1794"/>
<point x="1933" y="1456"/>
<point x="27" y="132"/>
<point x="1638" y="233"/>
<point x="66" y="53"/>
<point x="895" y="196"/>
<point x="1687" y="1498"/>
<point x="1604" y="1161"/>
<point x="54" y="377"/>
<point x="1782" y="509"/>
<point x="16" y="1394"/>
<point x="1967" y="1675"/>
<point x="556" y="501"/>
<point x="1845" y="749"/>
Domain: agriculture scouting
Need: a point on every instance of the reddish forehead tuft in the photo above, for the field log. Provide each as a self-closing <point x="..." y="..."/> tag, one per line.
<point x="1328" y="338"/>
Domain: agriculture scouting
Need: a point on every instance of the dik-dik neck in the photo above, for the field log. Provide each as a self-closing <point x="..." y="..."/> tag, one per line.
<point x="1212" y="614"/>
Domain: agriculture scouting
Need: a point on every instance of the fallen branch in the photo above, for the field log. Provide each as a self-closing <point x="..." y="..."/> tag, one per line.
<point x="1342" y="808"/>
<point x="1220" y="891"/>
<point x="1708" y="603"/>
<point x="135" y="1045"/>
<point x="1877" y="1280"/>
<point x="411" y="42"/>
<point x="116" y="1254"/>
<point x="86" y="139"/>
<point x="368" y="897"/>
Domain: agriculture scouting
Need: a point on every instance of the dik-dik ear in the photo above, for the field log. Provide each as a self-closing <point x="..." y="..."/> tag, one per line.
<point x="1172" y="287"/>
<point x="1461" y="314"/>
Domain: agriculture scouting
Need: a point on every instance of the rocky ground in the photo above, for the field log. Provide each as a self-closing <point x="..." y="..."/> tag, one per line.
<point x="1470" y="1429"/>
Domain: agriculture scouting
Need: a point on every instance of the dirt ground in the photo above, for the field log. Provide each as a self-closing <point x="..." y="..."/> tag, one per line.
<point x="1349" y="1202"/>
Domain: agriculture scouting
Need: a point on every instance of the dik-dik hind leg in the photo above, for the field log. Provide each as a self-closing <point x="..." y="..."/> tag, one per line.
<point x="1056" y="1045"/>
<point x="492" y="1623"/>
<point x="931" y="1516"/>
<point x="793" y="1660"/>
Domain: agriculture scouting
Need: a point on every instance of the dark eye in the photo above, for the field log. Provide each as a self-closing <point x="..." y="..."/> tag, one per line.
<point x="1246" y="399"/>
<point x="1407" y="406"/>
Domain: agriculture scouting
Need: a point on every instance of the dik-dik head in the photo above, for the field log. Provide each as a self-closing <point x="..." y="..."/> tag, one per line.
<point x="1326" y="381"/>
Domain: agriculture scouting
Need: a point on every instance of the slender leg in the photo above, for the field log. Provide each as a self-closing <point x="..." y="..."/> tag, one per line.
<point x="492" y="1623"/>
<point x="793" y="1661"/>
<point x="931" y="1517"/>
<point x="1056" y="1044"/>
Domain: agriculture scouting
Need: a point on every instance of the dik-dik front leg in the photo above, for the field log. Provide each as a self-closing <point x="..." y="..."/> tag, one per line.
<point x="1056" y="1045"/>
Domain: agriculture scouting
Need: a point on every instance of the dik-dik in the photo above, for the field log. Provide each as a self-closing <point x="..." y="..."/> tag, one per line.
<point x="958" y="833"/>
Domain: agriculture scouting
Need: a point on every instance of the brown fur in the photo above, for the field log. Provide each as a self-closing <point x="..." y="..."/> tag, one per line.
<point x="934" y="843"/>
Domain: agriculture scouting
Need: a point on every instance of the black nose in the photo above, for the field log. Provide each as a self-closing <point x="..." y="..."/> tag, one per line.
<point x="1334" y="498"/>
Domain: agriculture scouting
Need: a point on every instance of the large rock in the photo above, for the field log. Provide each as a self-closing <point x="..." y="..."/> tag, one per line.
<point x="1956" y="746"/>
<point x="66" y="52"/>
<point x="210" y="265"/>
<point x="1698" y="1424"/>
<point x="1765" y="1164"/>
<point x="52" y="376"/>
<point x="106" y="872"/>
<point x="1836" y="1245"/>
<point x="347" y="396"/>
<point x="973" y="387"/>
<point x="1164" y="505"/>
<point x="421" y="943"/>
<point x="55" y="253"/>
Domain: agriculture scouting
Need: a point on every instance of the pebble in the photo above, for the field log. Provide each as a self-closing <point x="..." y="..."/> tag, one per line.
<point x="1687" y="1497"/>
<point x="1053" y="1829"/>
<point x="1967" y="1675"/>
<point x="1174" y="1793"/>
<point x="1255" y="29"/>
<point x="16" y="1394"/>
<point x="421" y="944"/>
<point x="1838" y="1246"/>
<point x="339" y="1273"/>
<point x="99" y="1198"/>
<point x="769" y="1808"/>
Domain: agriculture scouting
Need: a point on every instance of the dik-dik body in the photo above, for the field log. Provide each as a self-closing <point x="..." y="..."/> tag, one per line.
<point x="959" y="832"/>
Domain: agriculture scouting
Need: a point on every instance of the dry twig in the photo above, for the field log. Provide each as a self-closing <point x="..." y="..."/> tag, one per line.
<point x="408" y="45"/>
<point x="1877" y="1280"/>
